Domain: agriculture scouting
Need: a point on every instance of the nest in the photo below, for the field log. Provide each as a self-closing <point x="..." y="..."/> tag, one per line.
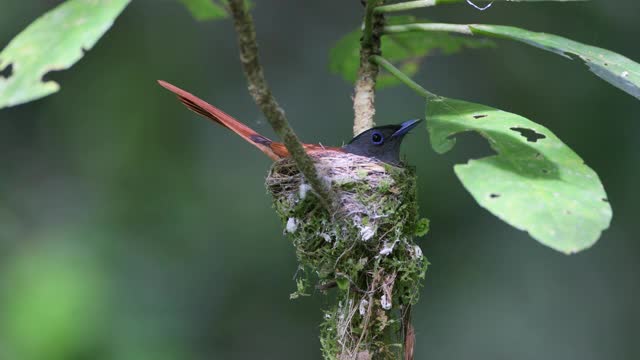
<point x="365" y="250"/>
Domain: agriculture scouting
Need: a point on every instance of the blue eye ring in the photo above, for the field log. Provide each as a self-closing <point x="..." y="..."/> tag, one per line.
<point x="377" y="138"/>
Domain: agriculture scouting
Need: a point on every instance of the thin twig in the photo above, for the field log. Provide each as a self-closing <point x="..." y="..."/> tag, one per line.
<point x="363" y="100"/>
<point x="409" y="5"/>
<point x="403" y="77"/>
<point x="333" y="284"/>
<point x="275" y="115"/>
<point x="455" y="28"/>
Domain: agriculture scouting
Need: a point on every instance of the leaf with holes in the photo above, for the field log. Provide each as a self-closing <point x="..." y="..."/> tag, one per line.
<point x="55" y="41"/>
<point x="535" y="182"/>
<point x="614" y="68"/>
<point x="407" y="51"/>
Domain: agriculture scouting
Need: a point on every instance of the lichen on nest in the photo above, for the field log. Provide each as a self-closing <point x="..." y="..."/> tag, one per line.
<point x="365" y="250"/>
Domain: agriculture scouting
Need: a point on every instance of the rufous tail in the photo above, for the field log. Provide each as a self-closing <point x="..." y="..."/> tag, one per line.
<point x="209" y="111"/>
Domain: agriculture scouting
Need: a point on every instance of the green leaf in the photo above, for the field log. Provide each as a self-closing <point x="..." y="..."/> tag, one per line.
<point x="614" y="68"/>
<point x="422" y="227"/>
<point x="535" y="183"/>
<point x="344" y="58"/>
<point x="407" y="51"/>
<point x="55" y="41"/>
<point x="343" y="283"/>
<point x="203" y="10"/>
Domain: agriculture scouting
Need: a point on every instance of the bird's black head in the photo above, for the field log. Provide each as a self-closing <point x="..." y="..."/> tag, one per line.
<point x="381" y="142"/>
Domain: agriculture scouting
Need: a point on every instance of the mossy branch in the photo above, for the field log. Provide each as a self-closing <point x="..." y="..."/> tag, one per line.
<point x="364" y="97"/>
<point x="263" y="97"/>
<point x="369" y="256"/>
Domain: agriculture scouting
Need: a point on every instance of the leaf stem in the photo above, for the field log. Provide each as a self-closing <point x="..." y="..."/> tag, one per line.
<point x="454" y="28"/>
<point x="265" y="100"/>
<point x="409" y="5"/>
<point x="403" y="77"/>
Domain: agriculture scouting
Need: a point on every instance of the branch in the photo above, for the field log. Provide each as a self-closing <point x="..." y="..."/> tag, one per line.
<point x="259" y="89"/>
<point x="403" y="77"/>
<point x="409" y="5"/>
<point x="454" y="28"/>
<point x="363" y="100"/>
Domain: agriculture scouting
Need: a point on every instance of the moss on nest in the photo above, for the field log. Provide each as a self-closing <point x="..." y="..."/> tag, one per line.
<point x="366" y="251"/>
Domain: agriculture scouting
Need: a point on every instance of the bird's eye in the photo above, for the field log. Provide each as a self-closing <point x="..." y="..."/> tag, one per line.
<point x="377" y="138"/>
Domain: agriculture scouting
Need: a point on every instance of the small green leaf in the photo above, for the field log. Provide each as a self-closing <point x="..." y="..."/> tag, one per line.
<point x="301" y="289"/>
<point x="422" y="227"/>
<point x="406" y="50"/>
<point x="55" y="41"/>
<point x="614" y="68"/>
<point x="535" y="182"/>
<point x="203" y="10"/>
<point x="343" y="283"/>
<point x="344" y="58"/>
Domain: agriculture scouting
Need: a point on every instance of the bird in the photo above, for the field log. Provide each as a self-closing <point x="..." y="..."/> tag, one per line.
<point x="380" y="142"/>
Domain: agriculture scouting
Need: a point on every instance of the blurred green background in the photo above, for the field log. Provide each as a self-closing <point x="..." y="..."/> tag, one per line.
<point x="132" y="229"/>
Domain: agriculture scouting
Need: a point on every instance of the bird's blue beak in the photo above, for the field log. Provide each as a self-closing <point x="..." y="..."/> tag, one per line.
<point x="405" y="127"/>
